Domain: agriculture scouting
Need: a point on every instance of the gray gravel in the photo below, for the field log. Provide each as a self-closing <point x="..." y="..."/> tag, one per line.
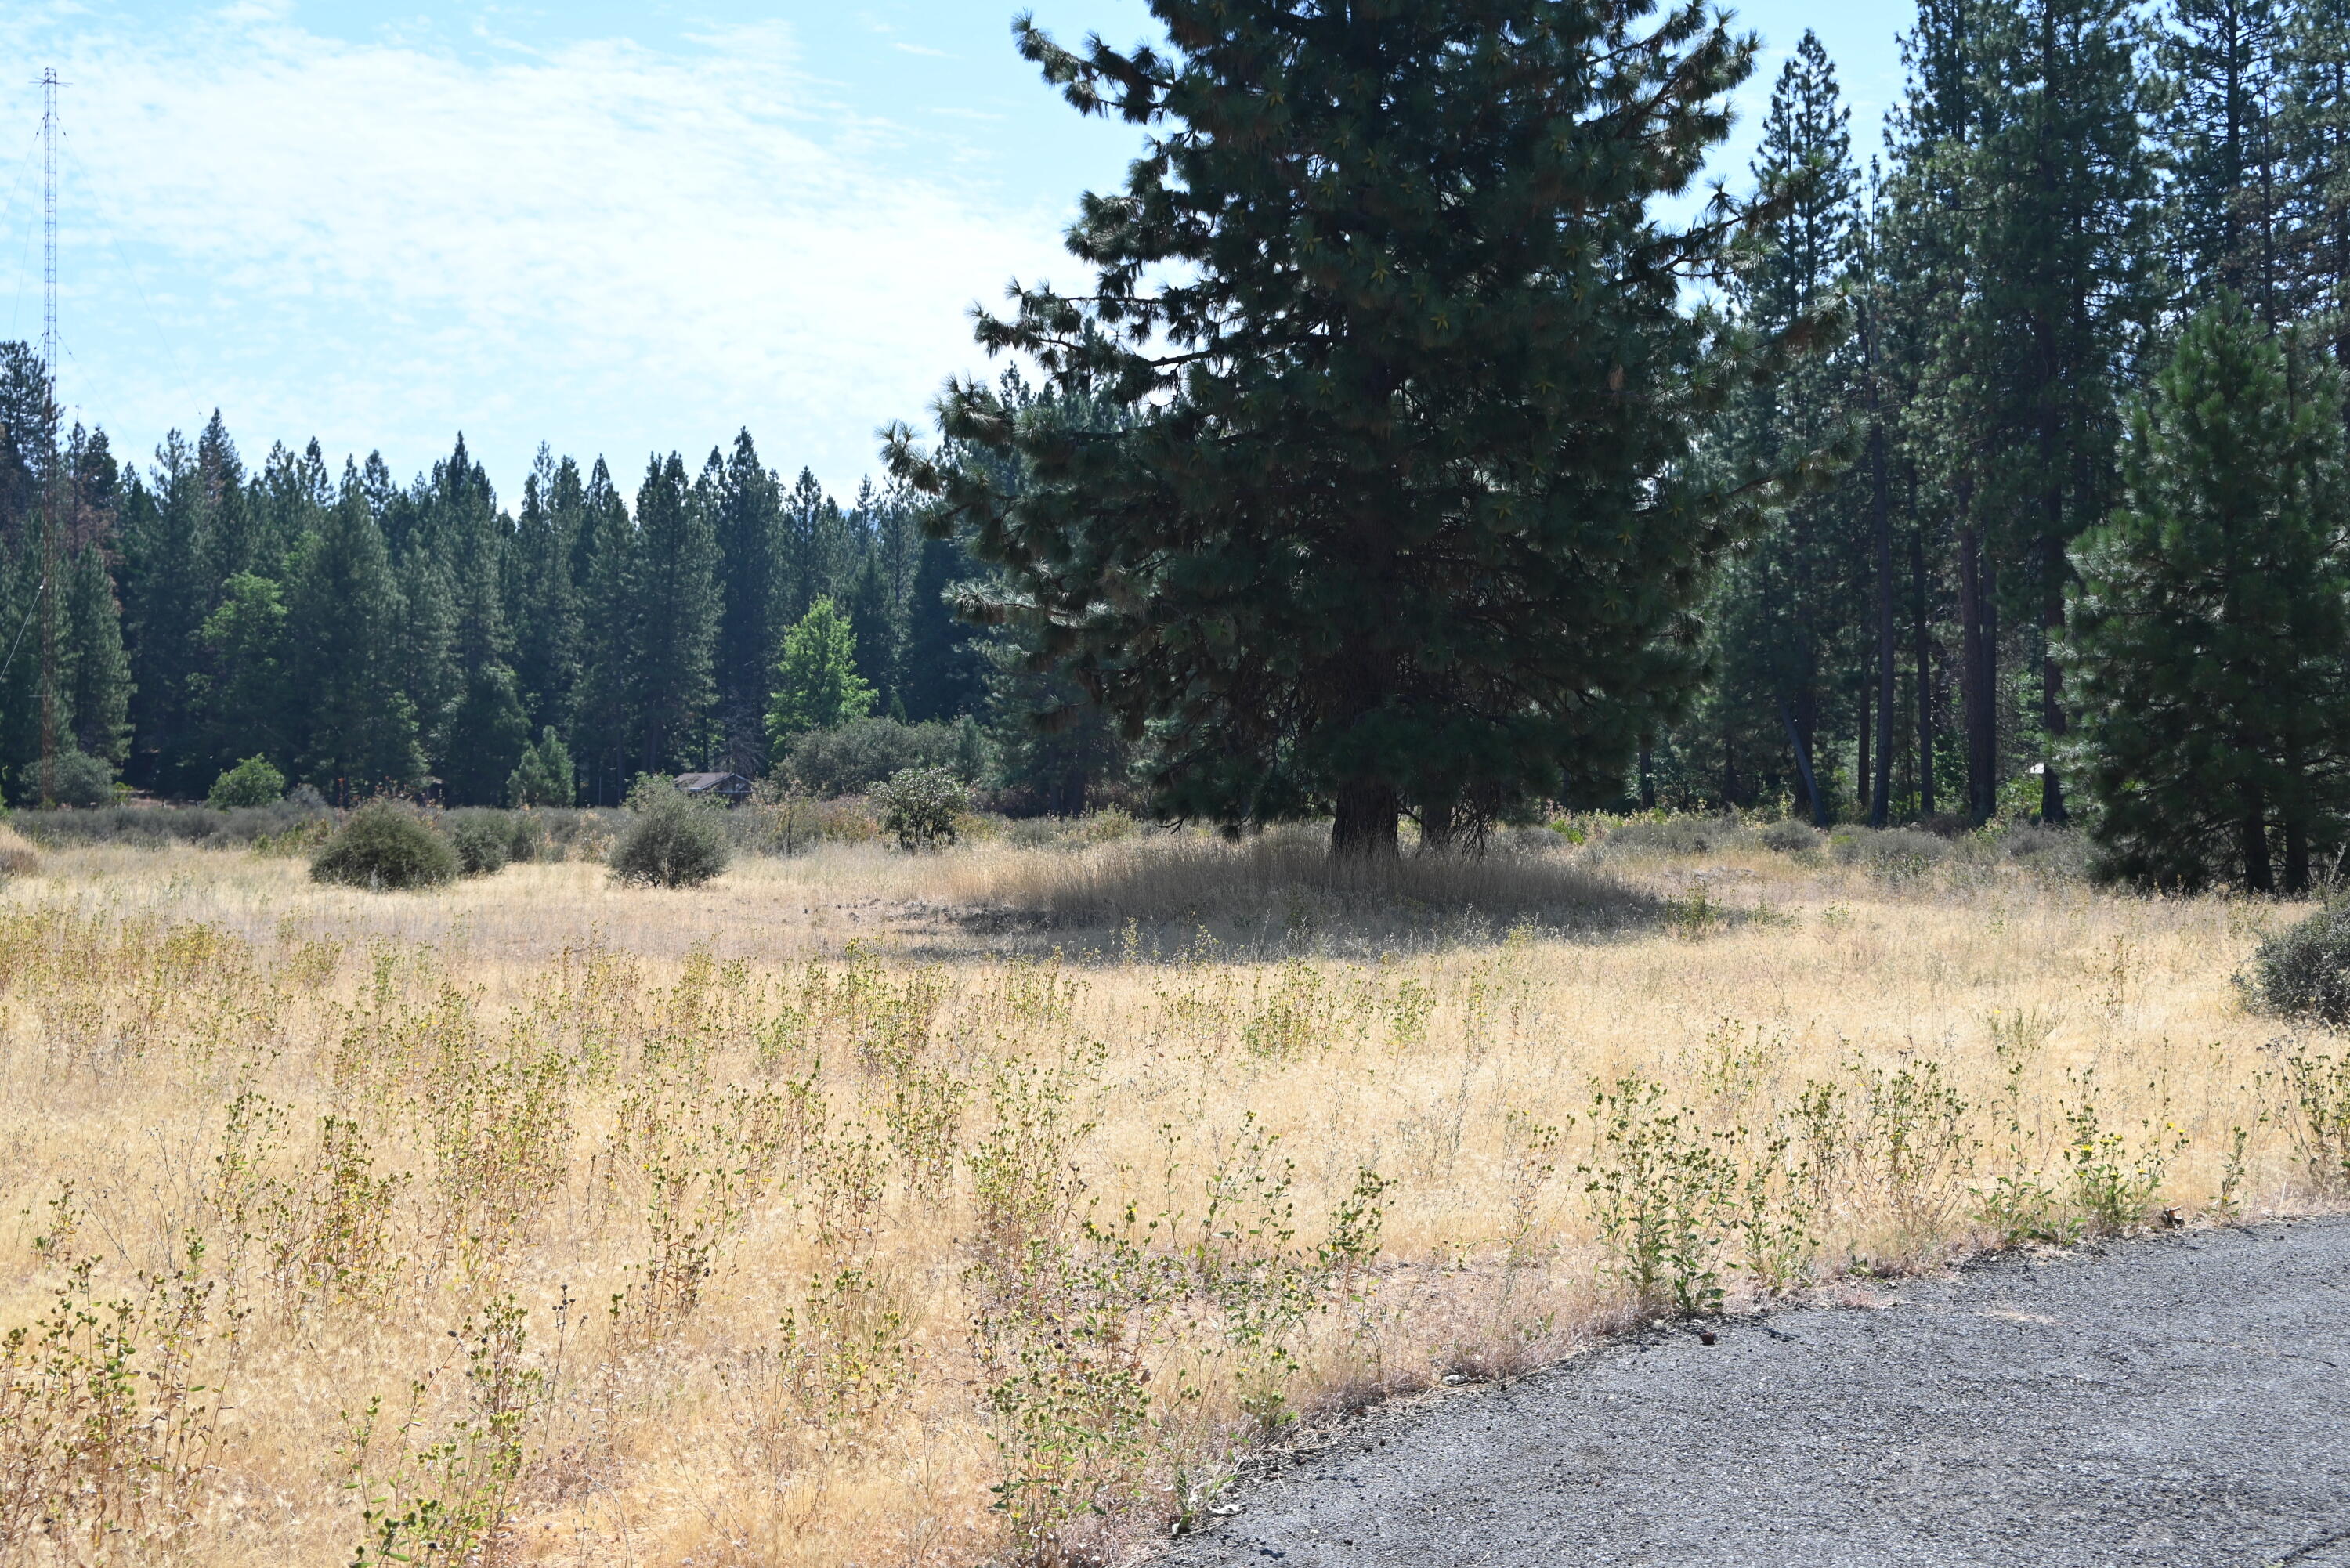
<point x="2182" y="1400"/>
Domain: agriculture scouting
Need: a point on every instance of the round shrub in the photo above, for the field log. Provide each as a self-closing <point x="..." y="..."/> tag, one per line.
<point x="920" y="806"/>
<point x="1789" y="836"/>
<point x="673" y="841"/>
<point x="483" y="840"/>
<point x="384" y="846"/>
<point x="526" y="836"/>
<point x="1892" y="854"/>
<point x="2303" y="971"/>
<point x="74" y="778"/>
<point x="860" y="754"/>
<point x="253" y="782"/>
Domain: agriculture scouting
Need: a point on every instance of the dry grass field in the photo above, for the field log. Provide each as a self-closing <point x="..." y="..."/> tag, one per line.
<point x="987" y="1207"/>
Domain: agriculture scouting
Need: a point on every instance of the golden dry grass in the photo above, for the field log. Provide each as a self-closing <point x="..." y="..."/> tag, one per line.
<point x="800" y="1220"/>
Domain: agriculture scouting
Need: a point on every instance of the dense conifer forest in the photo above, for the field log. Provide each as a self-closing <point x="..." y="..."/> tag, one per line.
<point x="1942" y="425"/>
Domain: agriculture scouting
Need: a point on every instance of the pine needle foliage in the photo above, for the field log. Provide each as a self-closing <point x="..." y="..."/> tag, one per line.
<point x="2208" y="625"/>
<point x="1390" y="509"/>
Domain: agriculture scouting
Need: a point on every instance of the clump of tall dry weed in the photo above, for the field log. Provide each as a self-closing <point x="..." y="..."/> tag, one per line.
<point x="535" y="1246"/>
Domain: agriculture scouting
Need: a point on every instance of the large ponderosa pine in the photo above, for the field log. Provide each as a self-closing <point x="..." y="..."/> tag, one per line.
<point x="1398" y="517"/>
<point x="2208" y="632"/>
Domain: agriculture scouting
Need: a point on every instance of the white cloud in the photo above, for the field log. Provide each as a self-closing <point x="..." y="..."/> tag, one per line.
<point x="614" y="249"/>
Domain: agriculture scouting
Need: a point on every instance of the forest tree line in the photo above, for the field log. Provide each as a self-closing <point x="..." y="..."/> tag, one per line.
<point x="2067" y="183"/>
<point x="2070" y="187"/>
<point x="368" y="636"/>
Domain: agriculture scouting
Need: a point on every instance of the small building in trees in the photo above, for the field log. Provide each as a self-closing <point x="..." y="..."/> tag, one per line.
<point x="731" y="788"/>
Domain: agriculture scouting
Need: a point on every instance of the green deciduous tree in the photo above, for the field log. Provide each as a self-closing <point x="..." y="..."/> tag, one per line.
<point x="1390" y="509"/>
<point x="817" y="683"/>
<point x="2207" y="635"/>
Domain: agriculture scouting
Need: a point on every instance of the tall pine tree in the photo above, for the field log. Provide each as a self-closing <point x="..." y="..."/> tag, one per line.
<point x="1397" y="516"/>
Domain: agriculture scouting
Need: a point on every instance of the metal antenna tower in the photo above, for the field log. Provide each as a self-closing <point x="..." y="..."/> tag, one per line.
<point x="49" y="85"/>
<point x="51" y="522"/>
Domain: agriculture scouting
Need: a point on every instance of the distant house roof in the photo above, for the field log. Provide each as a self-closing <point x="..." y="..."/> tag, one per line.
<point x="713" y="784"/>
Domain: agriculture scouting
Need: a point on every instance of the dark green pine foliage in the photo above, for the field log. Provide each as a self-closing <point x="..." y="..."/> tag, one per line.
<point x="2314" y="224"/>
<point x="2207" y="637"/>
<point x="234" y="538"/>
<point x="543" y="593"/>
<point x="605" y="567"/>
<point x="344" y="613"/>
<point x="672" y="625"/>
<point x="871" y="619"/>
<point x="1921" y="273"/>
<point x="2061" y="187"/>
<point x="28" y="434"/>
<point x="816" y="550"/>
<point x="1399" y="518"/>
<point x="485" y="727"/>
<point x="2223" y="145"/>
<point x="1790" y="608"/>
<point x="94" y="675"/>
<point x="290" y="497"/>
<point x="246" y="702"/>
<point x="484" y="737"/>
<point x="168" y="598"/>
<point x="748" y="519"/>
<point x="95" y="678"/>
<point x="431" y="673"/>
<point x="946" y="664"/>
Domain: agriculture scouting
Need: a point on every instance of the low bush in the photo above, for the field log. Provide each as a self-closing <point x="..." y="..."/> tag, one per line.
<point x="1790" y="835"/>
<point x="1894" y="854"/>
<point x="253" y="782"/>
<point x="920" y="806"/>
<point x="153" y="826"/>
<point x="2304" y="970"/>
<point x="784" y="819"/>
<point x="1675" y="836"/>
<point x="384" y="845"/>
<point x="672" y="840"/>
<point x="69" y="778"/>
<point x="856" y="756"/>
<point x="483" y="840"/>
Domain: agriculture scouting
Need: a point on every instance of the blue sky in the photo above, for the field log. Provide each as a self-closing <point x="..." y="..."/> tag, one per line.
<point x="616" y="228"/>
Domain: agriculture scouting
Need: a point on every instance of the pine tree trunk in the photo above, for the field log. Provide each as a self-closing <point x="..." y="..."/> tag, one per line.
<point x="1975" y="672"/>
<point x="2051" y="675"/>
<point x="1363" y="825"/>
<point x="2256" y="875"/>
<point x="1861" y="774"/>
<point x="1880" y="788"/>
<point x="1925" y="672"/>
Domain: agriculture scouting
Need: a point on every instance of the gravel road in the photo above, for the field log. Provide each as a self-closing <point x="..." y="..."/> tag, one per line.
<point x="2179" y="1400"/>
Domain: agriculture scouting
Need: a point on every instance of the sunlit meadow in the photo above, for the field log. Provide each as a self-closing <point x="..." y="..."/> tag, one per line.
<point x="992" y="1206"/>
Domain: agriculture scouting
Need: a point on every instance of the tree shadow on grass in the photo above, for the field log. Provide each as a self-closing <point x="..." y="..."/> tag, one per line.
<point x="1278" y="895"/>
